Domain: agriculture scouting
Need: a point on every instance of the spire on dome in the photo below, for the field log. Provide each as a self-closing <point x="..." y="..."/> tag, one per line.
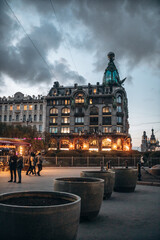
<point x="111" y="75"/>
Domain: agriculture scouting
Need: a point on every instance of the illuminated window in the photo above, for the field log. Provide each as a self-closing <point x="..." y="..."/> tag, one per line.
<point x="79" y="98"/>
<point x="53" y="120"/>
<point x="18" y="107"/>
<point x="65" y="110"/>
<point x="65" y="120"/>
<point x="90" y="101"/>
<point x="54" y="102"/>
<point x="119" y="129"/>
<point x="53" y="111"/>
<point x="11" y="108"/>
<point x="93" y="143"/>
<point x="119" y="109"/>
<point x="53" y="130"/>
<point x="67" y="102"/>
<point x="94" y="90"/>
<point x="106" y="129"/>
<point x="106" y="142"/>
<point x="79" y="120"/>
<point x="106" y="110"/>
<point x="25" y="107"/>
<point x="119" y="99"/>
<point x="65" y="130"/>
<point x="30" y="107"/>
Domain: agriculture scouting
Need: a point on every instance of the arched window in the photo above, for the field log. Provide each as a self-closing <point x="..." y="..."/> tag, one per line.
<point x="106" y="110"/>
<point x="65" y="110"/>
<point x="93" y="111"/>
<point x="53" y="111"/>
<point x="79" y="98"/>
<point x="119" y="99"/>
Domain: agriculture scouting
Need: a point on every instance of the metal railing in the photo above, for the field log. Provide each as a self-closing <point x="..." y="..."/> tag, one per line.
<point x="88" y="161"/>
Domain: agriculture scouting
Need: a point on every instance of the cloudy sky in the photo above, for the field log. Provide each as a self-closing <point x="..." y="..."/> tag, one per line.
<point x="43" y="41"/>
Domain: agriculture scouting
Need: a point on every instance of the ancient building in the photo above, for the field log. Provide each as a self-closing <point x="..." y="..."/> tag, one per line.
<point x="149" y="144"/>
<point x="90" y="117"/>
<point x="23" y="110"/>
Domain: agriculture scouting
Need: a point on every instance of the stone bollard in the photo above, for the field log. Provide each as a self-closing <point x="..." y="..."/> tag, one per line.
<point x="139" y="171"/>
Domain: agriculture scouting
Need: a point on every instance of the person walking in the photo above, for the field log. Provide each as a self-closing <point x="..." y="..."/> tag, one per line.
<point x="13" y="166"/>
<point x="30" y="168"/>
<point x="39" y="163"/>
<point x="19" y="167"/>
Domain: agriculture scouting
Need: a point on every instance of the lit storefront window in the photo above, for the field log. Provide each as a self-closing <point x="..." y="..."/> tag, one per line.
<point x="65" y="130"/>
<point x="90" y="101"/>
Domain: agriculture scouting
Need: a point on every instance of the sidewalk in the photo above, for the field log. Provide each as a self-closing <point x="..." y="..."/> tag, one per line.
<point x="127" y="216"/>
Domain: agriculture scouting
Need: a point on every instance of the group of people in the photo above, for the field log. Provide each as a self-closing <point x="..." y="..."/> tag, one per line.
<point x="33" y="162"/>
<point x="16" y="166"/>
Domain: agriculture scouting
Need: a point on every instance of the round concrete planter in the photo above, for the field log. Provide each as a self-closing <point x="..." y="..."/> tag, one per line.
<point x="90" y="190"/>
<point x="155" y="170"/>
<point x="125" y="179"/>
<point x="108" y="177"/>
<point x="58" y="219"/>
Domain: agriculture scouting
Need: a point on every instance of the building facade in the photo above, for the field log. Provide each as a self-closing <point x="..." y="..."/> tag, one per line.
<point x="90" y="117"/>
<point x="86" y="117"/>
<point x="24" y="110"/>
<point x="151" y="144"/>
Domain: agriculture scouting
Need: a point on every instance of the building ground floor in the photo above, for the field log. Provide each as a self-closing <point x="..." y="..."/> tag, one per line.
<point x="91" y="142"/>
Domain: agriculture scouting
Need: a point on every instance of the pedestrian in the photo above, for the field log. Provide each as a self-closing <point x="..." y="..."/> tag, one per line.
<point x="13" y="166"/>
<point x="30" y="168"/>
<point x="39" y="163"/>
<point x="19" y="167"/>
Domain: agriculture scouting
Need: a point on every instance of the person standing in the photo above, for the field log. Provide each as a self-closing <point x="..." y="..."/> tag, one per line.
<point x="19" y="167"/>
<point x="13" y="166"/>
<point x="39" y="163"/>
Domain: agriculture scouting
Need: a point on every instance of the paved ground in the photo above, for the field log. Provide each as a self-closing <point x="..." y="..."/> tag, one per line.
<point x="130" y="216"/>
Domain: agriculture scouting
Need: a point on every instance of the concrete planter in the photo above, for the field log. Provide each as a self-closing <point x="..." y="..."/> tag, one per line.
<point x="155" y="170"/>
<point x="108" y="177"/>
<point x="57" y="220"/>
<point x="90" y="190"/>
<point x="125" y="179"/>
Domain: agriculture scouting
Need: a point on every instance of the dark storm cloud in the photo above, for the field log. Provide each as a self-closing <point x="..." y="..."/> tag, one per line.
<point x="21" y="61"/>
<point x="129" y="28"/>
<point x="65" y="75"/>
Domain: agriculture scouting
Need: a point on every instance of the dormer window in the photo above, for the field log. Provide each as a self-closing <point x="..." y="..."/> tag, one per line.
<point x="119" y="99"/>
<point x="79" y="98"/>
